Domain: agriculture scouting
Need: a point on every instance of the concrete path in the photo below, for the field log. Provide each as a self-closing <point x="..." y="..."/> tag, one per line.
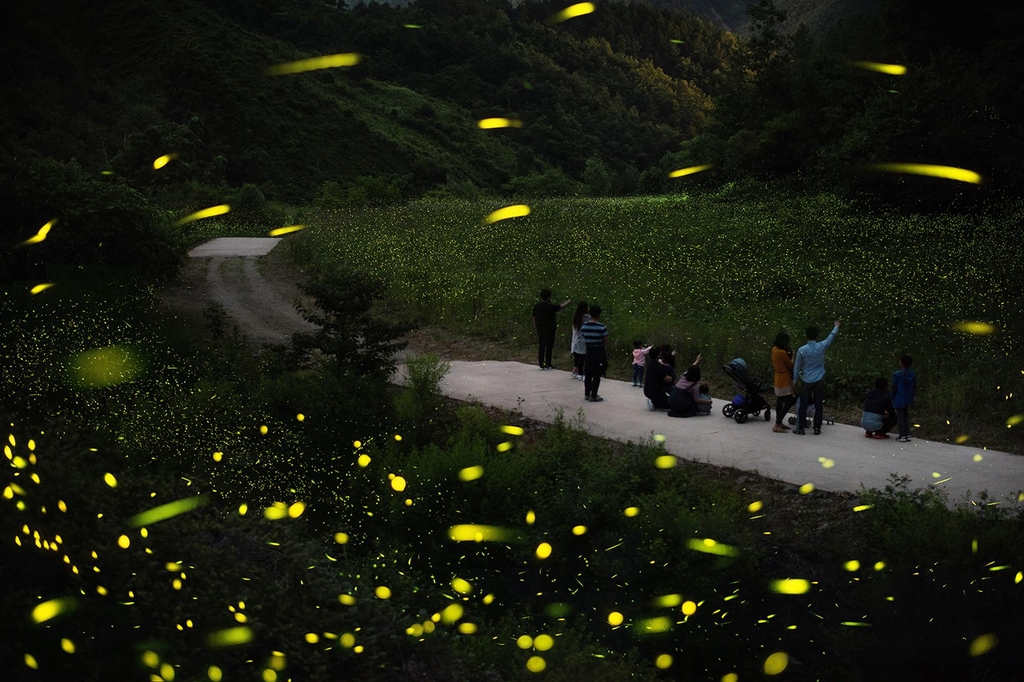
<point x="841" y="458"/>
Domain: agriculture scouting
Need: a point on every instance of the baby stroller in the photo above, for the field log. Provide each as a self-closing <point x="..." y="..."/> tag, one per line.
<point x="749" y="400"/>
<point x="826" y="418"/>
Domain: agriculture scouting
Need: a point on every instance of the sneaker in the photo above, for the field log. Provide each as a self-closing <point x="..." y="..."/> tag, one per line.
<point x="880" y="436"/>
<point x="903" y="439"/>
<point x="596" y="399"/>
<point x="580" y="377"/>
<point x="650" y="405"/>
<point x="574" y="375"/>
<point x="543" y="368"/>
<point x="869" y="434"/>
<point x="779" y="428"/>
<point x="798" y="432"/>
<point x="587" y="398"/>
<point x="817" y="432"/>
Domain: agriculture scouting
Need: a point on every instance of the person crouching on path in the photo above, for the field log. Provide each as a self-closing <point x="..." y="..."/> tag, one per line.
<point x="879" y="416"/>
<point x="809" y="368"/>
<point x="685" y="399"/>
<point x="658" y="380"/>
<point x="904" y="387"/>
<point x="544" y="323"/>
<point x="782" y="363"/>
<point x="596" y="363"/>
<point x="579" y="345"/>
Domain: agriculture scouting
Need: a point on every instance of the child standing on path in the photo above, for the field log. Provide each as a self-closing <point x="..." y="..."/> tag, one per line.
<point x="596" y="336"/>
<point x="639" y="360"/>
<point x="904" y="386"/>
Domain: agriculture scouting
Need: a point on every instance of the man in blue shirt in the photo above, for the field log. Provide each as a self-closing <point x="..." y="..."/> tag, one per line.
<point x="809" y="367"/>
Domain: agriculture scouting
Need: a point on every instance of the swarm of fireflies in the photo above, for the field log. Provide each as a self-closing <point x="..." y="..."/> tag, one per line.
<point x="104" y="367"/>
<point x="929" y="170"/>
<point x="572" y="11"/>
<point x="331" y="61"/>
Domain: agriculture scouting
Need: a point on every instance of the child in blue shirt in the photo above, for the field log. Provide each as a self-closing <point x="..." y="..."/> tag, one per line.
<point x="705" y="394"/>
<point x="904" y="386"/>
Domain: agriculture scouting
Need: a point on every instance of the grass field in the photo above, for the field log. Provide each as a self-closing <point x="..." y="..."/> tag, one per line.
<point x="721" y="274"/>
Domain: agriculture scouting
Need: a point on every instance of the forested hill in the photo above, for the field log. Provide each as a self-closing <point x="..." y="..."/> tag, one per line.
<point x="609" y="102"/>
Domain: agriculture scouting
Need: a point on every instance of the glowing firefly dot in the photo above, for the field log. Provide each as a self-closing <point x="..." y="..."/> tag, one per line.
<point x="264" y="429"/>
<point x="462" y="586"/>
<point x="218" y="456"/>
<point x="214" y="673"/>
<point x="730" y="677"/>
<point x="331" y="61"/>
<point x="776" y="663"/>
<point x="31" y="662"/>
<point x="123" y="542"/>
<point x="504" y="447"/>
<point x="658" y="438"/>
<point x="398" y="484"/>
<point x="977" y="457"/>
<point x="347" y="640"/>
<point x="451" y="613"/>
<point x="543" y="642"/>
<point x="530" y="518"/>
<point x="206" y="213"/>
<point x="488" y="599"/>
<point x="150" y="659"/>
<point x="663" y="662"/>
<point x="493" y="123"/>
<point x="40" y="288"/>
<point x="863" y="507"/>
<point x="243" y="509"/>
<point x="340" y="538"/>
<point x="1014" y="420"/>
<point x="167" y="672"/>
<point x="515" y="211"/>
<point x="300" y="417"/>
<point x="890" y="69"/>
<point x="852" y="565"/>
<point x="67" y="646"/>
<point x="382" y="592"/>
<point x="689" y="608"/>
<point x="357" y="444"/>
<point x="471" y="473"/>
<point x="162" y="161"/>
<point x="879" y="565"/>
<point x="665" y="461"/>
<point x="110" y="480"/>
<point x="397" y="437"/>
<point x="571" y="12"/>
<point x="930" y="170"/>
<point x="295" y="511"/>
<point x="524" y="642"/>
<point x="51" y="609"/>
<point x="279" y="231"/>
<point x="579" y="530"/>
<point x="806" y="488"/>
<point x="543" y="550"/>
<point x="408" y="502"/>
<point x="983" y="644"/>
<point x="1019" y="577"/>
<point x="467" y="628"/>
<point x="346" y="599"/>
<point x="631" y="511"/>
<point x="755" y="507"/>
<point x="615" y="618"/>
<point x="536" y="664"/>
<point x="40" y="235"/>
<point x="682" y="172"/>
<point x="791" y="586"/>
<point x="363" y="460"/>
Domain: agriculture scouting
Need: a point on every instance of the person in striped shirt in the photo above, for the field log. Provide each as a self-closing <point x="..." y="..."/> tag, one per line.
<point x="595" y="333"/>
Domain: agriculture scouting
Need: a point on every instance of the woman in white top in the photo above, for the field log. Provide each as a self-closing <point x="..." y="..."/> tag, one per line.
<point x="579" y="346"/>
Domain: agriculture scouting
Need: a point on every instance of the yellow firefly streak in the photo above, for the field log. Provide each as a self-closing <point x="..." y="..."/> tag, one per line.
<point x="167" y="511"/>
<point x="480" y="533"/>
<point x="230" y="636"/>
<point x="709" y="546"/>
<point x="286" y="230"/>
<point x="513" y="430"/>
<point x="891" y="69"/>
<point x="515" y="211"/>
<point x="471" y="473"/>
<point x="930" y="170"/>
<point x="164" y="160"/>
<point x="492" y="123"/>
<point x="791" y="586"/>
<point x="206" y="213"/>
<point x="41" y="234"/>
<point x="979" y="328"/>
<point x="689" y="171"/>
<point x="573" y="11"/>
<point x="51" y="609"/>
<point x="330" y="61"/>
<point x="40" y="288"/>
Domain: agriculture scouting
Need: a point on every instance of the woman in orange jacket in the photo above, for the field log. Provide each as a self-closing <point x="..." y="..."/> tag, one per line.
<point x="782" y="363"/>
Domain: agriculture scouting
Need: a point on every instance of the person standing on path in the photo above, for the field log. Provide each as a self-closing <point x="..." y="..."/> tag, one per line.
<point x="904" y="387"/>
<point x="596" y="336"/>
<point x="782" y="363"/>
<point x="544" y="323"/>
<point x="578" y="345"/>
<point x="809" y="368"/>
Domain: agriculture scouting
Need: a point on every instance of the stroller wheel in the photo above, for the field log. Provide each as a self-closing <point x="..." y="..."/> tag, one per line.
<point x="728" y="409"/>
<point x="792" y="421"/>
<point x="740" y="416"/>
<point x="767" y="415"/>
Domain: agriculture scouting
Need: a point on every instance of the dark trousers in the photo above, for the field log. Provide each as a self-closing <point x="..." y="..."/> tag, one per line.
<point x="545" y="344"/>
<point x="783" y="404"/>
<point x="888" y="421"/>
<point x="659" y="396"/>
<point x="578" y="361"/>
<point x="593" y="369"/>
<point x="816" y="392"/>
<point x="903" y="419"/>
<point x="638" y="374"/>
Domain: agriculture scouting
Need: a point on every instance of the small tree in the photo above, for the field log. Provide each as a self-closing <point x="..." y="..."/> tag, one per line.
<point x="354" y="343"/>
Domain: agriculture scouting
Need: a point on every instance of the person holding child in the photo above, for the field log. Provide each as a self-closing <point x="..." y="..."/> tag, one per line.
<point x="879" y="415"/>
<point x="904" y="387"/>
<point x="639" y="359"/>
<point x="658" y="380"/>
<point x="685" y="400"/>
